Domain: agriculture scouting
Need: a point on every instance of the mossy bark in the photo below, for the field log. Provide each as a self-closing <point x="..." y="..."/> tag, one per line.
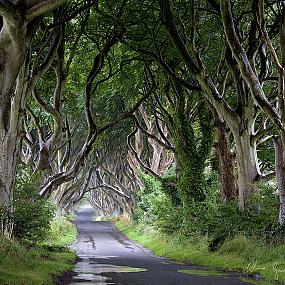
<point x="193" y="142"/>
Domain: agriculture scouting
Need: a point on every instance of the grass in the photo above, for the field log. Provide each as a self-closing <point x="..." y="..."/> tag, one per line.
<point x="38" y="264"/>
<point x="62" y="232"/>
<point x="239" y="254"/>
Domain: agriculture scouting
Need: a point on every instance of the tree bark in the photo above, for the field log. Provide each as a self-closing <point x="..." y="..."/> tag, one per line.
<point x="226" y="159"/>
<point x="280" y="170"/>
<point x="279" y="141"/>
<point x="15" y="37"/>
<point x="246" y="165"/>
<point x="12" y="55"/>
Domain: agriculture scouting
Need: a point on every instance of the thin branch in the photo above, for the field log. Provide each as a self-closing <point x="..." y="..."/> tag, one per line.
<point x="153" y="137"/>
<point x="145" y="167"/>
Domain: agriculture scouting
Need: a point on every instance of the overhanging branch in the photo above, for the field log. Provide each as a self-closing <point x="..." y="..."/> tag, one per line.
<point x="43" y="7"/>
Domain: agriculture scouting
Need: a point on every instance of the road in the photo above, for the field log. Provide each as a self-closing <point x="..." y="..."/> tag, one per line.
<point x="106" y="256"/>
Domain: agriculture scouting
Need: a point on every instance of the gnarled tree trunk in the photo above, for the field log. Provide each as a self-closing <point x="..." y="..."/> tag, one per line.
<point x="16" y="30"/>
<point x="226" y="160"/>
<point x="246" y="165"/>
<point x="11" y="87"/>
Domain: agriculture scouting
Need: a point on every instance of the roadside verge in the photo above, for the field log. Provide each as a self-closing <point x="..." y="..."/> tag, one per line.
<point x="240" y="255"/>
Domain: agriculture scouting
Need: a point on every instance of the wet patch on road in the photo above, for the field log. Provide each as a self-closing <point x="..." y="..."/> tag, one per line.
<point x="90" y="272"/>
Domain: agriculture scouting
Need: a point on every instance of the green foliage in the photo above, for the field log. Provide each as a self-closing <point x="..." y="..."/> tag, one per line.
<point x="193" y="142"/>
<point x="33" y="213"/>
<point x="149" y="198"/>
<point x="159" y="206"/>
<point x="35" y="260"/>
<point x="169" y="187"/>
<point x="220" y="221"/>
<point x="155" y="207"/>
<point x="62" y="231"/>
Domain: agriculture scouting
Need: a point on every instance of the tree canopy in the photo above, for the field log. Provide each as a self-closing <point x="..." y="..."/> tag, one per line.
<point x="98" y="95"/>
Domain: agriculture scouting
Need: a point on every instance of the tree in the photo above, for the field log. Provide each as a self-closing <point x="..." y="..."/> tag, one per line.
<point x="18" y="24"/>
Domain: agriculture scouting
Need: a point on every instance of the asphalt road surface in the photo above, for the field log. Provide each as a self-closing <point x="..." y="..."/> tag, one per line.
<point x="106" y="256"/>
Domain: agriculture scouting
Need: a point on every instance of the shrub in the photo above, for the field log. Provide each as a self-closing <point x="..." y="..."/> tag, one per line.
<point x="159" y="206"/>
<point x="220" y="221"/>
<point x="155" y="207"/>
<point x="62" y="231"/>
<point x="32" y="213"/>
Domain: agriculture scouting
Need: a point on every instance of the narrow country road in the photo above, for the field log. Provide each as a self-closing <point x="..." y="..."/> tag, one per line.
<point x="108" y="257"/>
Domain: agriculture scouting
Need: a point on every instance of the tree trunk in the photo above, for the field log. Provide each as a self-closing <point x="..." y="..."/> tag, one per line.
<point x="13" y="47"/>
<point x="7" y="170"/>
<point x="9" y="142"/>
<point x="16" y="32"/>
<point x="191" y="178"/>
<point x="246" y="166"/>
<point x="279" y="142"/>
<point x="226" y="160"/>
<point x="280" y="177"/>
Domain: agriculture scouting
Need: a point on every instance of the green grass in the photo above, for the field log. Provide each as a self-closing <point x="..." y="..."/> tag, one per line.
<point x="239" y="254"/>
<point x="62" y="232"/>
<point x="38" y="264"/>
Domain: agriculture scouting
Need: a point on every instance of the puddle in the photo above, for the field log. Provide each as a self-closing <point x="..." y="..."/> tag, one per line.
<point x="97" y="279"/>
<point x="90" y="272"/>
<point x="202" y="272"/>
<point x="126" y="269"/>
<point x="94" y="268"/>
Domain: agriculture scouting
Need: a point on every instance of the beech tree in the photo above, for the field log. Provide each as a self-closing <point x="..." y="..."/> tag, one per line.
<point x="255" y="84"/>
<point x="93" y="93"/>
<point x="213" y="70"/>
<point x="19" y="23"/>
<point x="240" y="123"/>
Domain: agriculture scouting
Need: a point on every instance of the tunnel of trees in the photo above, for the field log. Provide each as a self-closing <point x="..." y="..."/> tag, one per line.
<point x="166" y="111"/>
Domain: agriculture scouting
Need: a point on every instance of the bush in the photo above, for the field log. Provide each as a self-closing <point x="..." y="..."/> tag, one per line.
<point x="159" y="206"/>
<point x="62" y="231"/>
<point x="146" y="196"/>
<point x="32" y="213"/>
<point x="155" y="207"/>
<point x="220" y="221"/>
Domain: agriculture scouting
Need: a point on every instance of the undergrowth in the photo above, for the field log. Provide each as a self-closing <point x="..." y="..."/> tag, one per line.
<point x="62" y="231"/>
<point x="37" y="265"/>
<point x="38" y="253"/>
<point x="27" y="263"/>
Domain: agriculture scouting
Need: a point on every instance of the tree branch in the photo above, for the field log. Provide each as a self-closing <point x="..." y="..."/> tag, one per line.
<point x="42" y="7"/>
